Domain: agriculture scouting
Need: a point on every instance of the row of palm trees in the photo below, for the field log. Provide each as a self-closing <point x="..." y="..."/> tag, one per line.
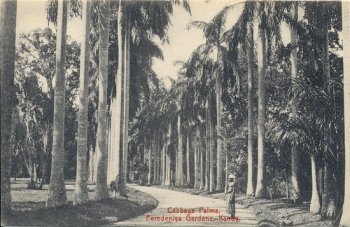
<point x="201" y="81"/>
<point x="131" y="15"/>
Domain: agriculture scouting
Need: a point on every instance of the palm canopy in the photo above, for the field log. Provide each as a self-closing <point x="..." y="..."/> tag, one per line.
<point x="147" y="20"/>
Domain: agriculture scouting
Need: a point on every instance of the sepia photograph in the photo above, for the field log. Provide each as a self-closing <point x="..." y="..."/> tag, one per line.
<point x="175" y="113"/>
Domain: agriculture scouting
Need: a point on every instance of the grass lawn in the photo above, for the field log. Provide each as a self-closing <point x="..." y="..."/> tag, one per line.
<point x="29" y="207"/>
<point x="279" y="212"/>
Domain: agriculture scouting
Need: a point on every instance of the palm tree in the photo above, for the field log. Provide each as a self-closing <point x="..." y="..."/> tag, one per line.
<point x="295" y="187"/>
<point x="328" y="204"/>
<point x="81" y="190"/>
<point x="101" y="191"/>
<point x="315" y="205"/>
<point x="321" y="20"/>
<point x="167" y="157"/>
<point x="218" y="83"/>
<point x="163" y="158"/>
<point x="210" y="146"/>
<point x="149" y="167"/>
<point x="126" y="89"/>
<point x="345" y="219"/>
<point x="141" y="16"/>
<point x="196" y="157"/>
<point x="214" y="43"/>
<point x="57" y="192"/>
<point x="188" y="173"/>
<point x="116" y="106"/>
<point x="179" y="164"/>
<point x="250" y="56"/>
<point x="7" y="63"/>
<point x="268" y="26"/>
<point x="202" y="166"/>
<point x="260" y="190"/>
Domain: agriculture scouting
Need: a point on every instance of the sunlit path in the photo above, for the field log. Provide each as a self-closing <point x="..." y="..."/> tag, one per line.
<point x="171" y="199"/>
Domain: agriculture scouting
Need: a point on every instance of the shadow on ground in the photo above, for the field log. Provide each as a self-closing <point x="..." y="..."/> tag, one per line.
<point x="29" y="209"/>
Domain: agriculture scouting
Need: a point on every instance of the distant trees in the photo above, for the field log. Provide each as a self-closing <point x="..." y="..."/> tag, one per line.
<point x="35" y="70"/>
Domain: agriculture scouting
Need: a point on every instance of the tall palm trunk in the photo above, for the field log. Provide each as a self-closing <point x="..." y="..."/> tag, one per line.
<point x="149" y="166"/>
<point x="211" y="152"/>
<point x="115" y="166"/>
<point x="57" y="192"/>
<point x="126" y="88"/>
<point x="330" y="191"/>
<point x="218" y="82"/>
<point x="111" y="135"/>
<point x="260" y="185"/>
<point x="196" y="159"/>
<point x="207" y="148"/>
<point x="345" y="219"/>
<point x="7" y="69"/>
<point x="164" y="150"/>
<point x="92" y="166"/>
<point x="315" y="205"/>
<point x="179" y="173"/>
<point x="202" y="166"/>
<point x="295" y="179"/>
<point x="167" y="157"/>
<point x="101" y="191"/>
<point x="155" y="163"/>
<point x="159" y="166"/>
<point x="250" y="55"/>
<point x="81" y="190"/>
<point x="188" y="173"/>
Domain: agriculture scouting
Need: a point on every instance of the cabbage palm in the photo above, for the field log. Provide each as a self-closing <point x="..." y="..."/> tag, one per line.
<point x="142" y="18"/>
<point x="81" y="190"/>
<point x="210" y="49"/>
<point x="295" y="178"/>
<point x="268" y="16"/>
<point x="309" y="126"/>
<point x="250" y="57"/>
<point x="242" y="33"/>
<point x="7" y="55"/>
<point x="214" y="56"/>
<point x="101" y="191"/>
<point x="322" y="20"/>
<point x="57" y="192"/>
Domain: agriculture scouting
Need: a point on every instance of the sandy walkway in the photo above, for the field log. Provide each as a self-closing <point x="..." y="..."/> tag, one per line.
<point x="204" y="211"/>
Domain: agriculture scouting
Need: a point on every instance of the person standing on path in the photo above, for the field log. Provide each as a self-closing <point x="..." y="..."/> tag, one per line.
<point x="230" y="196"/>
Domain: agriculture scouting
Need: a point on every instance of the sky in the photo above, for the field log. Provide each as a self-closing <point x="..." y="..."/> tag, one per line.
<point x="184" y="41"/>
<point x="31" y="14"/>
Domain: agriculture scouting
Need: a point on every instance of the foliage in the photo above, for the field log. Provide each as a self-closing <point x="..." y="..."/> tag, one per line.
<point x="35" y="67"/>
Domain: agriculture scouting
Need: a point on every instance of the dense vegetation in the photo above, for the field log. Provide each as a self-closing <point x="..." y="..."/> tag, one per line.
<point x="246" y="102"/>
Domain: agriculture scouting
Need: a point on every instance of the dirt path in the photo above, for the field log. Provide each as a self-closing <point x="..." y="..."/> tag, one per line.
<point x="166" y="214"/>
